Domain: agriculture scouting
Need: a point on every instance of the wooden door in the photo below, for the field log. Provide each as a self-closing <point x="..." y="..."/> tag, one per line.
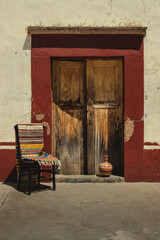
<point x="68" y="115"/>
<point x="104" y="114"/>
<point x="87" y="114"/>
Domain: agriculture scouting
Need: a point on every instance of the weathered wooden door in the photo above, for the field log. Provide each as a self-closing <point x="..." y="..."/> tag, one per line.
<point x="87" y="114"/>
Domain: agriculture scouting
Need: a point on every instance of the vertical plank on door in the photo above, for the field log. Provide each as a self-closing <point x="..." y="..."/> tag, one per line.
<point x="90" y="118"/>
<point x="71" y="149"/>
<point x="111" y="136"/>
<point x="101" y="135"/>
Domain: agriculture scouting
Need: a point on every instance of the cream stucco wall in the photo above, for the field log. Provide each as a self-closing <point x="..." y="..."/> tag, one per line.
<point x="15" y="54"/>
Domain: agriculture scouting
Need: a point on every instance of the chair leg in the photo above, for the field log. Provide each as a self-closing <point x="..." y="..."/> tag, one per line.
<point x="19" y="178"/>
<point x="39" y="174"/>
<point x="53" y="177"/>
<point x="29" y="180"/>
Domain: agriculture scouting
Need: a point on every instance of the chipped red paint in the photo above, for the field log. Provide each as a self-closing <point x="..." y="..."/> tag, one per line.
<point x="151" y="144"/>
<point x="7" y="165"/>
<point x="47" y="46"/>
<point x="133" y="154"/>
<point x="7" y="143"/>
<point x="152" y="165"/>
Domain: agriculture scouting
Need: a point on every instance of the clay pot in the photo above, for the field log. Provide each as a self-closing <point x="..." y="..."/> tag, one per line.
<point x="105" y="168"/>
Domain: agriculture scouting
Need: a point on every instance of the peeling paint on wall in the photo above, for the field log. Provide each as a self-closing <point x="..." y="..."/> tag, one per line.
<point x="128" y="129"/>
<point x="48" y="127"/>
<point x="39" y="116"/>
<point x="151" y="147"/>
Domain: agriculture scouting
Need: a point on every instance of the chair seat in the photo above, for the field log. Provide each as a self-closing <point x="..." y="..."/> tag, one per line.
<point x="44" y="158"/>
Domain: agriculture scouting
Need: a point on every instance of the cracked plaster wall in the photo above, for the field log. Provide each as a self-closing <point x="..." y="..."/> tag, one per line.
<point x="15" y="53"/>
<point x="128" y="129"/>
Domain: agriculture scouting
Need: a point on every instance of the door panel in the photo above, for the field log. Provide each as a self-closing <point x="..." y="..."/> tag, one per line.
<point x="104" y="83"/>
<point x="68" y="115"/>
<point x="104" y="109"/>
<point x="71" y="79"/>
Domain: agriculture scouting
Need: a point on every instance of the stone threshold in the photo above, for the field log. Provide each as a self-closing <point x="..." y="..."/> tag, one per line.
<point x="88" y="179"/>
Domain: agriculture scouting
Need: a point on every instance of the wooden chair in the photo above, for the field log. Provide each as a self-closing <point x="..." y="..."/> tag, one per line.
<point x="31" y="157"/>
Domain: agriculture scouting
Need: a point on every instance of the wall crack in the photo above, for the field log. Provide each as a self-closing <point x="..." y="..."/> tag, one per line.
<point x="128" y="129"/>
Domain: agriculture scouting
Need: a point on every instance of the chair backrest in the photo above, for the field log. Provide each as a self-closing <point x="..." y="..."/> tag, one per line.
<point x="29" y="139"/>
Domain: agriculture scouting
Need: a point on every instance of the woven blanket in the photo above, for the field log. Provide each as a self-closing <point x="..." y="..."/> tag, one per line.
<point x="44" y="159"/>
<point x="30" y="145"/>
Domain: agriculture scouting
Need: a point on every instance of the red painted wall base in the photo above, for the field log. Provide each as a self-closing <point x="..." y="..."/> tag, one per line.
<point x="151" y="165"/>
<point x="8" y="165"/>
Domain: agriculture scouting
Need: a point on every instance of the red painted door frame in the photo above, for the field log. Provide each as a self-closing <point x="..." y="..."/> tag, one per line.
<point x="130" y="47"/>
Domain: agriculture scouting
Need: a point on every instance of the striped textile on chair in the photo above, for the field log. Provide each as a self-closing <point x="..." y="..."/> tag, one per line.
<point x="30" y="140"/>
<point x="30" y="145"/>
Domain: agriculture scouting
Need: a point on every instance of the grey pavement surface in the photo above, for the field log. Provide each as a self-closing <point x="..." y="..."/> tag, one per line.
<point x="88" y="211"/>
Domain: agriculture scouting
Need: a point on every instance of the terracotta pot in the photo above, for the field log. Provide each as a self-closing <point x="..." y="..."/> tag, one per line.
<point x="105" y="168"/>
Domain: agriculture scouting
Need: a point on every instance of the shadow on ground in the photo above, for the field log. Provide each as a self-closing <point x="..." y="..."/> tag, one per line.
<point x="24" y="187"/>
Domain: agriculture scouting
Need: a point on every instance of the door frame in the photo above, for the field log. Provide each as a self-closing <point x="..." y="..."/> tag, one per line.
<point x="130" y="48"/>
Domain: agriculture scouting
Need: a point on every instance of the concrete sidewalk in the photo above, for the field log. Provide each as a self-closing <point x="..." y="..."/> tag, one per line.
<point x="82" y="211"/>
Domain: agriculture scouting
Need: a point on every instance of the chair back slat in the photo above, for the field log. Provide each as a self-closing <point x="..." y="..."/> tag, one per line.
<point x="30" y="139"/>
